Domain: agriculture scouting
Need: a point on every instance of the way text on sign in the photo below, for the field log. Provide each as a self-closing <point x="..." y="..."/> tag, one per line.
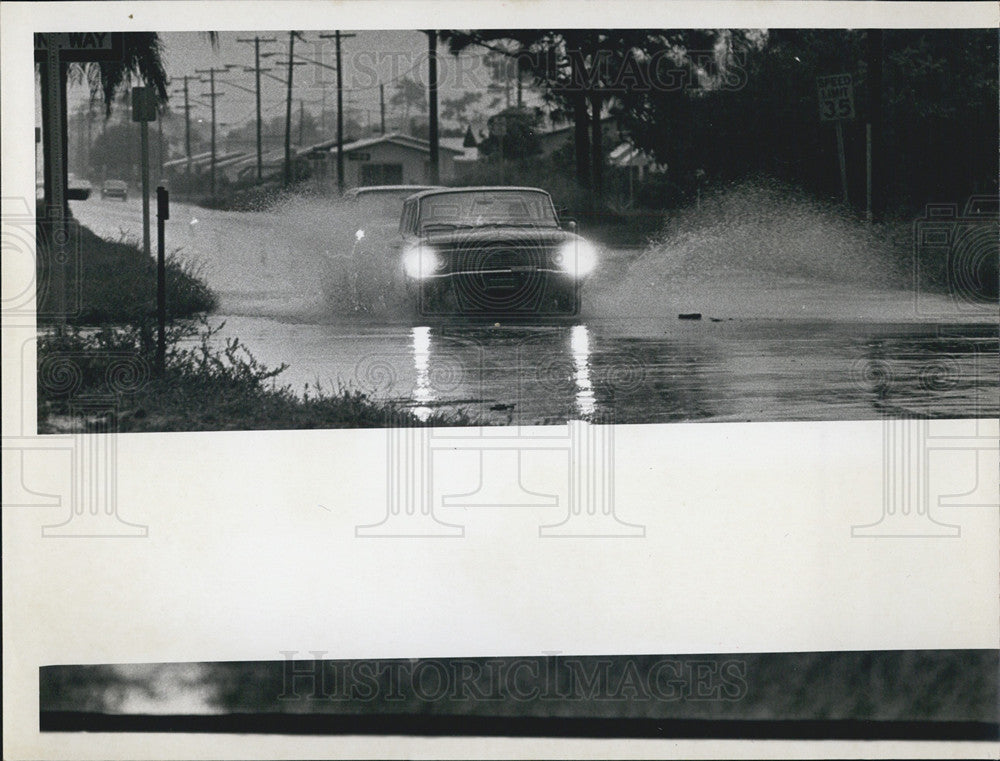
<point x="80" y="46"/>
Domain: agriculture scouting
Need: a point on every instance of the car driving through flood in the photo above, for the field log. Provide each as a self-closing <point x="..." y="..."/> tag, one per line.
<point x="491" y="251"/>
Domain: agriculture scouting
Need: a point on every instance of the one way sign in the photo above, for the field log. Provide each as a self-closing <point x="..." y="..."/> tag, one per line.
<point x="80" y="46"/>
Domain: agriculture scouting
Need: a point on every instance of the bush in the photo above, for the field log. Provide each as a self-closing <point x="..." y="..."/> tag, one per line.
<point x="114" y="282"/>
<point x="203" y="387"/>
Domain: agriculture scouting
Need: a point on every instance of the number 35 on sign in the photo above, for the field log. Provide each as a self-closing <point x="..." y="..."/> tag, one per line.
<point x="836" y="97"/>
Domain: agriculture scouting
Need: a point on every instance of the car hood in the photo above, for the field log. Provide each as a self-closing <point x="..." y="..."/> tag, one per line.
<point x="492" y="235"/>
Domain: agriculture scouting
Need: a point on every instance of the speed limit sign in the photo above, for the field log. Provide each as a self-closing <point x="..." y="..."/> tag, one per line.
<point x="836" y="97"/>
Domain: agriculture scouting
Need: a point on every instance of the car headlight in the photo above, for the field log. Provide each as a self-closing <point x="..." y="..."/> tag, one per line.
<point x="577" y="257"/>
<point x="420" y="262"/>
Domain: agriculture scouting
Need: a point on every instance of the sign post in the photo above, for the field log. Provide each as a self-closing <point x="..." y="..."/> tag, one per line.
<point x="144" y="112"/>
<point x="868" y="171"/>
<point x="162" y="215"/>
<point x="52" y="49"/>
<point x="836" y="104"/>
<point x="56" y="202"/>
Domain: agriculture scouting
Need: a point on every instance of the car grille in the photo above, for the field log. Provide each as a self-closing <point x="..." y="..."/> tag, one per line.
<point x="480" y="259"/>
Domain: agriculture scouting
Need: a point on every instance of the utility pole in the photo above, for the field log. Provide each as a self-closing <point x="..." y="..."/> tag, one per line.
<point x="874" y="174"/>
<point x="257" y="70"/>
<point x="381" y="106"/>
<point x="187" y="127"/>
<point x="432" y="94"/>
<point x="337" y="37"/>
<point x="159" y="140"/>
<point x="288" y="109"/>
<point x="322" y="112"/>
<point x="302" y="121"/>
<point x="213" y="95"/>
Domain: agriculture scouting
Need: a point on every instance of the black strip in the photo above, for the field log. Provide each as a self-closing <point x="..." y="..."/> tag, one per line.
<point x="493" y="726"/>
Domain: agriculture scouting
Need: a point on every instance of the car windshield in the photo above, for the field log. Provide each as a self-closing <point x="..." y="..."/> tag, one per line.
<point x="384" y="204"/>
<point x="483" y="208"/>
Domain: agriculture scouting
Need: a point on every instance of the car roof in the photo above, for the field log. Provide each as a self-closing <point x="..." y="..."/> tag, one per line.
<point x="477" y="189"/>
<point x="369" y="189"/>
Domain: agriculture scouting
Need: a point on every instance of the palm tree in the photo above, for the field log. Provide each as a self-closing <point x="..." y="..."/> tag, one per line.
<point x="141" y="58"/>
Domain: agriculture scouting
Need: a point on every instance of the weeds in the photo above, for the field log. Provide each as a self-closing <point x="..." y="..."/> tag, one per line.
<point x="203" y="387"/>
<point x="116" y="283"/>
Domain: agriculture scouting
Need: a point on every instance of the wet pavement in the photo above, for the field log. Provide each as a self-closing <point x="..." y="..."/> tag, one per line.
<point x="838" y="338"/>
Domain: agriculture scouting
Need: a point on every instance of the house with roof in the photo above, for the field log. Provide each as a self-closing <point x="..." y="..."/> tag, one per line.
<point x="392" y="159"/>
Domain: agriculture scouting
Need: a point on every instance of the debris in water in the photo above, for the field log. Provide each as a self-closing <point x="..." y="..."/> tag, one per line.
<point x="689" y="316"/>
<point x="501" y="407"/>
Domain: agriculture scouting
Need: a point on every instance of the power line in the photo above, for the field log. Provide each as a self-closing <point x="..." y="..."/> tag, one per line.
<point x="257" y="72"/>
<point x="338" y="36"/>
<point x="213" y="95"/>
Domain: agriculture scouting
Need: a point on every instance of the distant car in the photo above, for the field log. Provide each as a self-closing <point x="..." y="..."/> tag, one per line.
<point x="491" y="250"/>
<point x="114" y="189"/>
<point x="357" y="277"/>
<point x="77" y="189"/>
<point x="374" y="213"/>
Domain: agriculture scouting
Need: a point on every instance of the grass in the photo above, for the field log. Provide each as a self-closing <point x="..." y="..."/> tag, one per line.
<point x="203" y="387"/>
<point x="112" y="281"/>
<point x="106" y="350"/>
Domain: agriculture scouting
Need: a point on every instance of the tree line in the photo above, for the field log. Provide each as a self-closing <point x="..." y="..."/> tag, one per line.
<point x="717" y="105"/>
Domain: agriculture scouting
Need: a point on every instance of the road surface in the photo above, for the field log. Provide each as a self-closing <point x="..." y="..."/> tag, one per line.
<point x="801" y="319"/>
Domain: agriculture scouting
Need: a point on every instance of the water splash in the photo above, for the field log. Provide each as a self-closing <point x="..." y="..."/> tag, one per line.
<point x="761" y="249"/>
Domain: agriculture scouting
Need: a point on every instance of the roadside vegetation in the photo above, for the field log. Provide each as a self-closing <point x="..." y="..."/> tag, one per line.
<point x="111" y="281"/>
<point x="204" y="387"/>
<point x="107" y="352"/>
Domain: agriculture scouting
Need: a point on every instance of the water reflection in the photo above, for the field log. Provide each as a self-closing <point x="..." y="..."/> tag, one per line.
<point x="579" y="343"/>
<point x="423" y="391"/>
<point x="503" y="371"/>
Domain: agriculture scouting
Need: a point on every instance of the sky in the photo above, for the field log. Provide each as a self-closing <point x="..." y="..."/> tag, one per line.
<point x="369" y="58"/>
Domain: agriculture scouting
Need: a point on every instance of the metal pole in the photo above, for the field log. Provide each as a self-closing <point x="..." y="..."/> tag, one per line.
<point x="874" y="55"/>
<point x="144" y="161"/>
<point x="288" y="110"/>
<point x="302" y="111"/>
<point x="162" y="215"/>
<point x="56" y="189"/>
<point x="432" y="96"/>
<point x="381" y="106"/>
<point x="213" y="95"/>
<point x="340" y="118"/>
<point x="211" y="77"/>
<point x="868" y="171"/>
<point x="256" y="66"/>
<point x="256" y="40"/>
<point x="159" y="141"/>
<point x="843" y="160"/>
<point x="187" y="132"/>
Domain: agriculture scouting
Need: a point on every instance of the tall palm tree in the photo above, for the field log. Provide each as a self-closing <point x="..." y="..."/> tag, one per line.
<point x="141" y="57"/>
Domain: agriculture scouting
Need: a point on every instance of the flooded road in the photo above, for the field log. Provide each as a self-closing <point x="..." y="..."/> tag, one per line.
<point x="803" y="317"/>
